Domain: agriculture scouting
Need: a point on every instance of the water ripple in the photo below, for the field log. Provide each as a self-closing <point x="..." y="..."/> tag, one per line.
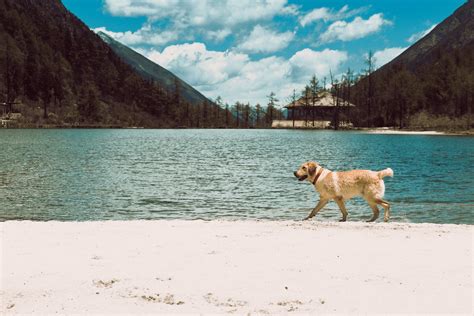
<point x="233" y="174"/>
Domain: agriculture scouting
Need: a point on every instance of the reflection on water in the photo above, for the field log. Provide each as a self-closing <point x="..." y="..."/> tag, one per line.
<point x="208" y="174"/>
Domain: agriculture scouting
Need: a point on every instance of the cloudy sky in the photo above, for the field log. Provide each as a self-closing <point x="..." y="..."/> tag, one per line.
<point x="244" y="49"/>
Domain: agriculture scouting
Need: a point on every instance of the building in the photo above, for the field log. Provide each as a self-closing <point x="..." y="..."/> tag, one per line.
<point x="303" y="114"/>
<point x="7" y="117"/>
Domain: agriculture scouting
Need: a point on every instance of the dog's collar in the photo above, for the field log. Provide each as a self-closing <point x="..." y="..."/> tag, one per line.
<point x="318" y="174"/>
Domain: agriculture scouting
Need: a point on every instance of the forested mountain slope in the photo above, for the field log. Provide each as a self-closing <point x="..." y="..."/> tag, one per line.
<point x="61" y="73"/>
<point x="152" y="71"/>
<point x="431" y="83"/>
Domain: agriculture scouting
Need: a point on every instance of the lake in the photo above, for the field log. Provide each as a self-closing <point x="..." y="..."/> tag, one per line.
<point x="124" y="174"/>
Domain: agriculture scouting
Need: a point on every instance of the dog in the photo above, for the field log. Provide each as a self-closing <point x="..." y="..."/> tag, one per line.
<point x="344" y="185"/>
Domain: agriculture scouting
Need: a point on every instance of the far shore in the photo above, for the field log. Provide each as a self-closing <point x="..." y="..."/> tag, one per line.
<point x="402" y="132"/>
<point x="242" y="267"/>
<point x="381" y="130"/>
<point x="394" y="131"/>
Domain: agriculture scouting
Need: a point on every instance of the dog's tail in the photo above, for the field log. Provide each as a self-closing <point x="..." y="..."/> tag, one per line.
<point x="385" y="173"/>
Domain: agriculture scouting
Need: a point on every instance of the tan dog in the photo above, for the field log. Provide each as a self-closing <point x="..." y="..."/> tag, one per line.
<point x="341" y="186"/>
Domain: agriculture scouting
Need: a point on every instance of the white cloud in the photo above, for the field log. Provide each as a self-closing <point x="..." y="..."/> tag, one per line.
<point x="218" y="35"/>
<point x="386" y="55"/>
<point x="202" y="12"/>
<point x="186" y="19"/>
<point x="145" y="35"/>
<point x="236" y="77"/>
<point x="307" y="62"/>
<point x="197" y="65"/>
<point x="264" y="40"/>
<point x="327" y="14"/>
<point x="315" y="15"/>
<point x="291" y="10"/>
<point x="358" y="28"/>
<point x="415" y="37"/>
<point x="255" y="81"/>
<point x="136" y="8"/>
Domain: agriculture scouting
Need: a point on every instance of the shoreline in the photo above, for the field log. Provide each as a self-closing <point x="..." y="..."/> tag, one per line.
<point x="321" y="222"/>
<point x="251" y="266"/>
<point x="393" y="131"/>
<point x="375" y="130"/>
<point x="403" y="132"/>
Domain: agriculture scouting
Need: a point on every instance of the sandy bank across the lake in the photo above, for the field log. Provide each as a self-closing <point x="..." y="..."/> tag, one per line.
<point x="262" y="267"/>
<point x="391" y="131"/>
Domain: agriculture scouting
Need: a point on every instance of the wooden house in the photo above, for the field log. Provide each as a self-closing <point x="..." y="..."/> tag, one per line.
<point x="326" y="109"/>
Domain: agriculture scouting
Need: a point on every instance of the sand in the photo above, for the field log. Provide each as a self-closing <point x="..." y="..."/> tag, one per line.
<point x="257" y="267"/>
<point x="402" y="132"/>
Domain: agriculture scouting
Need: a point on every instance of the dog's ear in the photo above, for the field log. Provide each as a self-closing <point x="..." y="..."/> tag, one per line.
<point x="311" y="168"/>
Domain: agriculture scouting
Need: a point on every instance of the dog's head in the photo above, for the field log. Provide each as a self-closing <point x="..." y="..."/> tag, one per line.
<point x="308" y="169"/>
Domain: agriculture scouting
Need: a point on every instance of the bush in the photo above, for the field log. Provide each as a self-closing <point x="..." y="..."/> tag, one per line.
<point x="424" y="120"/>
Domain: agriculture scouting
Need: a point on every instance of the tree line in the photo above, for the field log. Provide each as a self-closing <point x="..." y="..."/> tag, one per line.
<point x="61" y="73"/>
<point x="244" y="115"/>
<point x="437" y="94"/>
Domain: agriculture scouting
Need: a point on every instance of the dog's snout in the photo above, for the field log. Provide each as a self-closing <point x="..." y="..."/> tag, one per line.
<point x="295" y="174"/>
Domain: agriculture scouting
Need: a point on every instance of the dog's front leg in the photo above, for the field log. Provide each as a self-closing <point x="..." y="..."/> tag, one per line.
<point x="319" y="206"/>
<point x="342" y="207"/>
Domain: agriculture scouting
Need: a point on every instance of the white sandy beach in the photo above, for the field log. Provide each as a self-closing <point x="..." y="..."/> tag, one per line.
<point x="261" y="267"/>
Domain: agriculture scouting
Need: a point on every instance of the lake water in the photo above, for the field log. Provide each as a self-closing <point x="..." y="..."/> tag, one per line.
<point x="224" y="174"/>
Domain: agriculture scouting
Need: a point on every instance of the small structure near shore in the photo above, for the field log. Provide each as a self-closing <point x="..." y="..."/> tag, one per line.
<point x="8" y="118"/>
<point x="322" y="113"/>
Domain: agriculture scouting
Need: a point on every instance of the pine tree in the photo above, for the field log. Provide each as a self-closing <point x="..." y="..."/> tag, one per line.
<point x="306" y="100"/>
<point x="258" y="110"/>
<point x="12" y="73"/>
<point x="293" y="104"/>
<point x="272" y="103"/>
<point x="227" y="116"/>
<point x="247" y="115"/>
<point x="237" y="108"/>
<point x="314" y="89"/>
<point x="335" y="91"/>
<point x="370" y="62"/>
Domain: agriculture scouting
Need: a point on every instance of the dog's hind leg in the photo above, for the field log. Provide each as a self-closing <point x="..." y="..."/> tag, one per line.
<point x="376" y="212"/>
<point x="342" y="207"/>
<point x="386" y="207"/>
<point x="319" y="206"/>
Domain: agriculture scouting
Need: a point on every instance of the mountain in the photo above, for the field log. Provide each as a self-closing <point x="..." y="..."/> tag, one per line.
<point x="150" y="70"/>
<point x="455" y="32"/>
<point x="56" y="72"/>
<point x="429" y="85"/>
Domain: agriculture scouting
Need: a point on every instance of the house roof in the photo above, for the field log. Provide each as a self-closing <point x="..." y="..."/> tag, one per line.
<point x="325" y="99"/>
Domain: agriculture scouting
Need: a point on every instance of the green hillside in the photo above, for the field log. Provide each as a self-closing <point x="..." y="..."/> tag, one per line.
<point x="56" y="72"/>
<point x="150" y="70"/>
<point x="430" y="85"/>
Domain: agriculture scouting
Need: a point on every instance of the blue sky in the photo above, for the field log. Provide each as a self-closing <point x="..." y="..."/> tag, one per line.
<point x="244" y="49"/>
